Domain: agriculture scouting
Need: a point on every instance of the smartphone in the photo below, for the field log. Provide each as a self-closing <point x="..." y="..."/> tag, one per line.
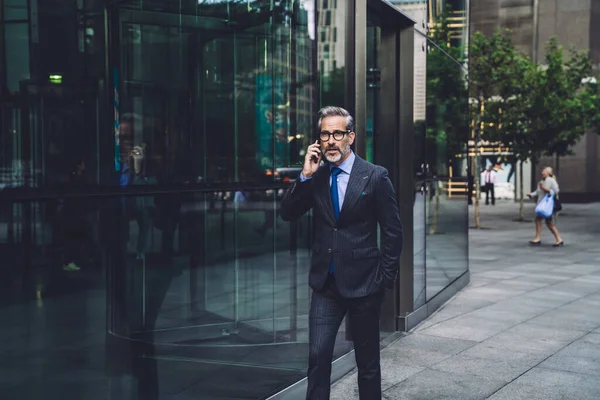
<point x="316" y="159"/>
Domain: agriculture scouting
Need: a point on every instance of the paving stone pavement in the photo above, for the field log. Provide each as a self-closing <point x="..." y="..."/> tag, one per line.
<point x="526" y="327"/>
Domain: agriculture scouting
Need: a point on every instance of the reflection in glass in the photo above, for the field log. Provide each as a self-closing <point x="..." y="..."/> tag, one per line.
<point x="331" y="52"/>
<point x="445" y="135"/>
<point x="231" y="103"/>
<point x="447" y="235"/>
<point x="447" y="102"/>
<point x="49" y="99"/>
<point x="419" y="245"/>
<point x="458" y="11"/>
<point x="417" y="10"/>
<point x="225" y="297"/>
<point x="373" y="83"/>
<point x="196" y="288"/>
<point x="214" y="296"/>
<point x="52" y="295"/>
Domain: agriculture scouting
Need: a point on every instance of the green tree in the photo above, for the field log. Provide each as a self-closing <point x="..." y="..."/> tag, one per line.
<point x="592" y="103"/>
<point x="562" y="108"/>
<point x="488" y="61"/>
<point x="534" y="110"/>
<point x="447" y="117"/>
<point x="447" y="96"/>
<point x="513" y="76"/>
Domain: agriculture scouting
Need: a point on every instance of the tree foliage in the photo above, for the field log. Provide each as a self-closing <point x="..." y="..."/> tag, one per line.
<point x="505" y="83"/>
<point x="535" y="110"/>
<point x="560" y="111"/>
<point x="447" y="123"/>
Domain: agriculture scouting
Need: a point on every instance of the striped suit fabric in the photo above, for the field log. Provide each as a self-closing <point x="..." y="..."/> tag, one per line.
<point x="362" y="269"/>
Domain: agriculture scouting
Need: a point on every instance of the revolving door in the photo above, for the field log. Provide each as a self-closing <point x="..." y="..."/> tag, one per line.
<point x="201" y="271"/>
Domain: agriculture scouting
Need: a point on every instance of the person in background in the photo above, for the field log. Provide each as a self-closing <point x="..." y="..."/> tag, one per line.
<point x="143" y="174"/>
<point x="548" y="184"/>
<point x="138" y="168"/>
<point x="489" y="180"/>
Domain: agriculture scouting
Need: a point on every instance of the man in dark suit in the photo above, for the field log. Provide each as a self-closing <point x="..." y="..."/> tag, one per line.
<point x="349" y="273"/>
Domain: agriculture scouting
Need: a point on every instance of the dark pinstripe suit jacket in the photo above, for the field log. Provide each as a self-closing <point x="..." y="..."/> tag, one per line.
<point x="361" y="268"/>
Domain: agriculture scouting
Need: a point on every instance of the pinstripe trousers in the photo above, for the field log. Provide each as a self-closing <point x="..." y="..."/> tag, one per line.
<point x="327" y="310"/>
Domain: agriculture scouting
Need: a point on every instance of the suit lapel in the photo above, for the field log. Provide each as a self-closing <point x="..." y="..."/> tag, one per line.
<point x="359" y="177"/>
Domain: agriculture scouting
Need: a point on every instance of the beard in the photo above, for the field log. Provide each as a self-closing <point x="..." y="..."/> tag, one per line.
<point x="338" y="155"/>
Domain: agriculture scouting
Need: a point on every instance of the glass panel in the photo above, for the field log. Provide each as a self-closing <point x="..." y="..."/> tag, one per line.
<point x="458" y="11"/>
<point x="158" y="265"/>
<point x="17" y="54"/>
<point x="237" y="101"/>
<point x="213" y="283"/>
<point x="50" y="111"/>
<point x="332" y="64"/>
<point x="373" y="83"/>
<point x="417" y="10"/>
<point x="446" y="135"/>
<point x="188" y="312"/>
<point x="52" y="296"/>
<point x="61" y="131"/>
<point x="447" y="236"/>
<point x="15" y="10"/>
<point x="419" y="244"/>
<point x="218" y="97"/>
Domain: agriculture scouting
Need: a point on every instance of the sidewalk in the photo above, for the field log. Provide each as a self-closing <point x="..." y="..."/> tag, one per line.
<point x="527" y="326"/>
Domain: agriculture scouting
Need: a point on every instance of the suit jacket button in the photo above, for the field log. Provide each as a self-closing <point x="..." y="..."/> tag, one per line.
<point x="329" y="250"/>
<point x="335" y="229"/>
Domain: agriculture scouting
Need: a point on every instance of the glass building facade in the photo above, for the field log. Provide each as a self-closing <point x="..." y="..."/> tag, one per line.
<point x="442" y="166"/>
<point x="145" y="146"/>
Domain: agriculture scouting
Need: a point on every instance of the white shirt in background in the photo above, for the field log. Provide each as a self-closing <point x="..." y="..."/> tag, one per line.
<point x="489" y="177"/>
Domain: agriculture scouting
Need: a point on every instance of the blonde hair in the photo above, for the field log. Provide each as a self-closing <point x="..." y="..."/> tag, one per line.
<point x="551" y="173"/>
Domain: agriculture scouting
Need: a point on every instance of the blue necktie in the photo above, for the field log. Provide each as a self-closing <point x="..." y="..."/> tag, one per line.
<point x="335" y="199"/>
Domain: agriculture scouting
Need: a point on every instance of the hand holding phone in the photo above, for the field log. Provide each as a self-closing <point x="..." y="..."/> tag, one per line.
<point x="312" y="160"/>
<point x="317" y="159"/>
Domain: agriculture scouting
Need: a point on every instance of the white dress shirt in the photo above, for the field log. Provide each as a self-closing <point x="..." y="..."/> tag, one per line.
<point x="489" y="177"/>
<point x="342" y="179"/>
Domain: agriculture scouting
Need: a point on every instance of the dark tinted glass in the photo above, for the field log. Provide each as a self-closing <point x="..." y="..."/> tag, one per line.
<point x="168" y="274"/>
<point x="213" y="103"/>
<point x="445" y="133"/>
<point x="332" y="62"/>
<point x="441" y="131"/>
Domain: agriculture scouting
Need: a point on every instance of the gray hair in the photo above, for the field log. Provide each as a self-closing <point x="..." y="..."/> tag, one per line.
<point x="333" y="111"/>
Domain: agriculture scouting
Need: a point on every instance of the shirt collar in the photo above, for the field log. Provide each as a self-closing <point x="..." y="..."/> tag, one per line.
<point x="346" y="165"/>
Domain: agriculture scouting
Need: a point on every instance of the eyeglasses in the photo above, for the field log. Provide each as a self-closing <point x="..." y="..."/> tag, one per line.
<point x="337" y="135"/>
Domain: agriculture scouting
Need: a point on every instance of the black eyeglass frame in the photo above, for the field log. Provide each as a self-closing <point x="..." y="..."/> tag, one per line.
<point x="324" y="135"/>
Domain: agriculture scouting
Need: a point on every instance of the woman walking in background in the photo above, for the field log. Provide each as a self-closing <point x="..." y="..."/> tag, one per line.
<point x="548" y="184"/>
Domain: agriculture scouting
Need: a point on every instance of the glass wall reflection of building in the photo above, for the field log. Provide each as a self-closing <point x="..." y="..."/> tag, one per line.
<point x="144" y="149"/>
<point x="441" y="133"/>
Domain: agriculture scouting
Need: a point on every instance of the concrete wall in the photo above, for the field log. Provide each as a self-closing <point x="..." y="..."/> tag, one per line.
<point x="569" y="168"/>
<point x="574" y="22"/>
<point x="516" y="15"/>
<point x="579" y="173"/>
<point x="418" y="12"/>
<point x="595" y="31"/>
<point x="568" y="20"/>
